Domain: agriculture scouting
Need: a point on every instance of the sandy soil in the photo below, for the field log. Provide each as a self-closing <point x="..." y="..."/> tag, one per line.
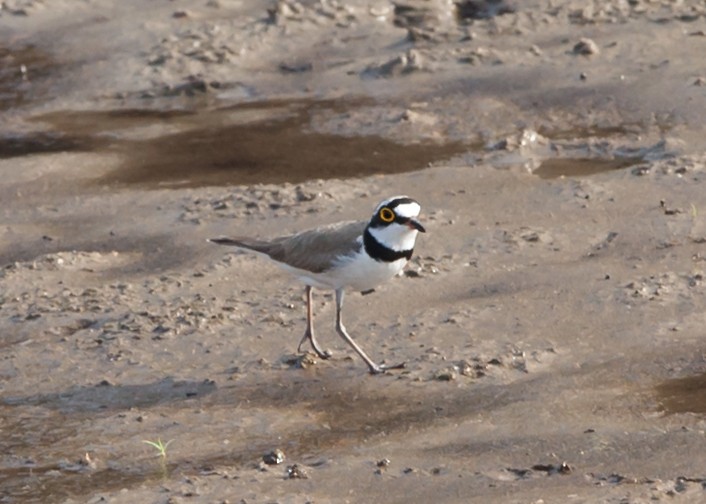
<point x="552" y="320"/>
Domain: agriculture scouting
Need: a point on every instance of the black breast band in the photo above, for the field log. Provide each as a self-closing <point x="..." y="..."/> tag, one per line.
<point x="380" y="252"/>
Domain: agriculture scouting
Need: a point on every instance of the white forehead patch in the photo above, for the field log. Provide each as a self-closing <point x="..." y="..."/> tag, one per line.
<point x="387" y="202"/>
<point x="408" y="209"/>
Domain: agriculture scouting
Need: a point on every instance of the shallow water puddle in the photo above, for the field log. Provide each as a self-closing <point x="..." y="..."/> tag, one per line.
<point x="21" y="72"/>
<point x="683" y="395"/>
<point x="245" y="144"/>
<point x="581" y="167"/>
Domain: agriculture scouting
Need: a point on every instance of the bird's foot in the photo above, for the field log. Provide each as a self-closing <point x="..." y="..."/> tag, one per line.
<point x="382" y="368"/>
<point x="323" y="354"/>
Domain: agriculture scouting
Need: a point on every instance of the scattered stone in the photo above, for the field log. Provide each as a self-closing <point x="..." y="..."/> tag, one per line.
<point x="520" y="473"/>
<point x="550" y="469"/>
<point x="83" y="464"/>
<point x="586" y="47"/>
<point x="301" y="361"/>
<point x="409" y="62"/>
<point x="296" y="472"/>
<point x="302" y="67"/>
<point x="483" y="9"/>
<point x="667" y="210"/>
<point x="285" y="10"/>
<point x="471" y="370"/>
<point x="419" y="13"/>
<point x="445" y="375"/>
<point x="383" y="462"/>
<point x="641" y="170"/>
<point x="382" y="465"/>
<point x="274" y="457"/>
<point x="614" y="478"/>
<point x="479" y="56"/>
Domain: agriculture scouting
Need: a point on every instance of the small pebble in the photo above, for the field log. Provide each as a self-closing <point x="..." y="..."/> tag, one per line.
<point x="274" y="457"/>
<point x="296" y="472"/>
<point x="586" y="47"/>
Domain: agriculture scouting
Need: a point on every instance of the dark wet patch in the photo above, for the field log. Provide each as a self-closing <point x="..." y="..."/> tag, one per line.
<point x="352" y="409"/>
<point x="683" y="395"/>
<point x="467" y="10"/>
<point x="54" y="483"/>
<point x="357" y="408"/>
<point x="240" y="145"/>
<point x="42" y="143"/>
<point x="91" y="122"/>
<point x="21" y="72"/>
<point x="591" y="132"/>
<point x="581" y="167"/>
<point x="158" y="252"/>
<point x="7" y="341"/>
<point x="105" y="396"/>
<point x="54" y="421"/>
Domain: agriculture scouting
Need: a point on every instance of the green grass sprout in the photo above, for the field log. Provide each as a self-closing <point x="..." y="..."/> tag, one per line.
<point x="159" y="446"/>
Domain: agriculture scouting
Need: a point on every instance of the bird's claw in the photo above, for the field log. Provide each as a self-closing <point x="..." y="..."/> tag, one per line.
<point x="322" y="354"/>
<point x="383" y="368"/>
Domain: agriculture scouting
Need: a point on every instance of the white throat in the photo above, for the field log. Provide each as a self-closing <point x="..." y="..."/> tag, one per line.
<point x="397" y="237"/>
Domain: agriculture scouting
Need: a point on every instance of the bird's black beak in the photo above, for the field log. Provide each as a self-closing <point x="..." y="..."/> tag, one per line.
<point x="414" y="224"/>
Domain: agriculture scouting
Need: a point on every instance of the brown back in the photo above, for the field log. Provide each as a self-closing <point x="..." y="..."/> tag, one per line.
<point x="314" y="250"/>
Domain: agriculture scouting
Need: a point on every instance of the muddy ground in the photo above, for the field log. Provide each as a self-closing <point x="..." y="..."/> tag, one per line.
<point x="552" y="320"/>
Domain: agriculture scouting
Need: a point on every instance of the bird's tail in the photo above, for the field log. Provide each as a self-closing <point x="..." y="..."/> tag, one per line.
<point x="227" y="241"/>
<point x="265" y="247"/>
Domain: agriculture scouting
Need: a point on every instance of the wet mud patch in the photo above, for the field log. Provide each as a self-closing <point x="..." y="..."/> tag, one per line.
<point x="469" y="10"/>
<point x="595" y="131"/>
<point x="581" y="167"/>
<point x="49" y="443"/>
<point x="21" y="72"/>
<point x="41" y="143"/>
<point x="683" y="395"/>
<point x="110" y="255"/>
<point x="51" y="446"/>
<point x="238" y="145"/>
<point x="52" y="483"/>
<point x="106" y="396"/>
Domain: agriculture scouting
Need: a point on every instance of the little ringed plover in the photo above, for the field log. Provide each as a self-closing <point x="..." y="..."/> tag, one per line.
<point x="356" y="254"/>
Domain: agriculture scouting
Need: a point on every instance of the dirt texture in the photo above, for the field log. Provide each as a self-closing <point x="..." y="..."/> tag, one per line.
<point x="552" y="319"/>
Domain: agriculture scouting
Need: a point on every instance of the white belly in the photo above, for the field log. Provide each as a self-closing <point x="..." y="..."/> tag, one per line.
<point x="358" y="272"/>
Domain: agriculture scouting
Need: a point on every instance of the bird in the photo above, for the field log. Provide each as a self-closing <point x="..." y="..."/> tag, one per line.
<point x="357" y="255"/>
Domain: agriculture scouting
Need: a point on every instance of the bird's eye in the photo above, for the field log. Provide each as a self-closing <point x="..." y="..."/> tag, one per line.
<point x="386" y="215"/>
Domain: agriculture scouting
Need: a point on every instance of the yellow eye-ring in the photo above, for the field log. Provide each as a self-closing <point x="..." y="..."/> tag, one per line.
<point x="386" y="215"/>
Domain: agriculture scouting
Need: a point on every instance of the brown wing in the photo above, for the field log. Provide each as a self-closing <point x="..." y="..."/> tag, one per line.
<point x="314" y="250"/>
